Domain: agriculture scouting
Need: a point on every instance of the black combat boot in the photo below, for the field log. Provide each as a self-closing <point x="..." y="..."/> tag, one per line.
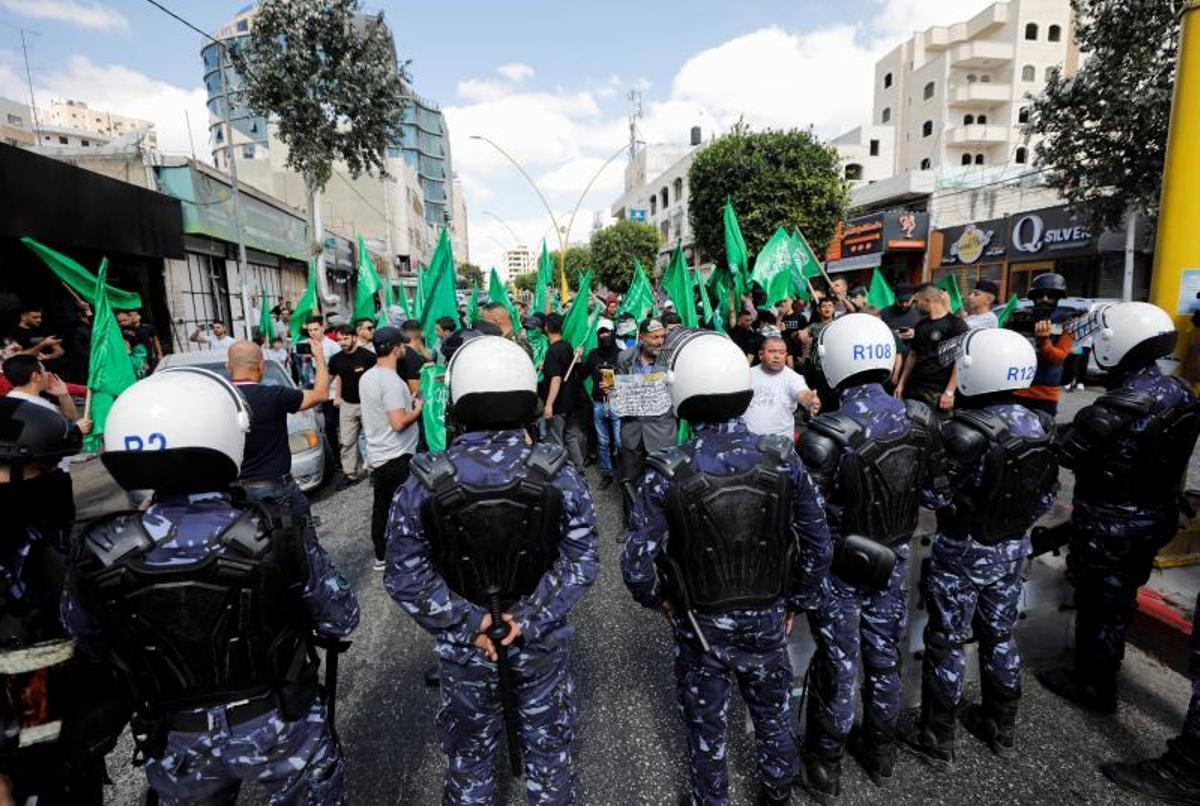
<point x="995" y="721"/>
<point x="1174" y="776"/>
<point x="821" y="775"/>
<point x="873" y="746"/>
<point x="931" y="737"/>
<point x="769" y="797"/>
<point x="1095" y="691"/>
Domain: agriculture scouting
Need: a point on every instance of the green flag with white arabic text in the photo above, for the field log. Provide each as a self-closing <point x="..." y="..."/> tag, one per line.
<point x="109" y="370"/>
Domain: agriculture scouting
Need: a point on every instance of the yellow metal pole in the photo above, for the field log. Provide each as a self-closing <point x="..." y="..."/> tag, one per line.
<point x="1177" y="248"/>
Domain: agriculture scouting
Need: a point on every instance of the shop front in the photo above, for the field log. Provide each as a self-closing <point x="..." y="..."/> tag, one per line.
<point x="973" y="252"/>
<point x="893" y="242"/>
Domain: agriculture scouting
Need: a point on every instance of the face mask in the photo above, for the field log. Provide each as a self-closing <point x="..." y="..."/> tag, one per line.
<point x="606" y="341"/>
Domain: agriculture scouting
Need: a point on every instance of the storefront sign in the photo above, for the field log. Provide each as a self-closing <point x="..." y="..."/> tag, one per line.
<point x="905" y="229"/>
<point x="983" y="242"/>
<point x="1189" y="292"/>
<point x="1052" y="232"/>
<point x="863" y="236"/>
<point x="640" y="395"/>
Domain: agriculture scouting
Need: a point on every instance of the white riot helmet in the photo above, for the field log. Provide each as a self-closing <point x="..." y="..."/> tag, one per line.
<point x="994" y="360"/>
<point x="182" y="429"/>
<point x="492" y="383"/>
<point x="1130" y="335"/>
<point x="857" y="347"/>
<point x="708" y="376"/>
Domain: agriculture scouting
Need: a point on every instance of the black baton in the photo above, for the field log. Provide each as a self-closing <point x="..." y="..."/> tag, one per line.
<point x="508" y="690"/>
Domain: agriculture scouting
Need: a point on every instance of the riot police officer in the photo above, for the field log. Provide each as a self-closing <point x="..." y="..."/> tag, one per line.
<point x="1004" y="472"/>
<point x="874" y="459"/>
<point x="490" y="545"/>
<point x="67" y="715"/>
<point x="1130" y="451"/>
<point x="207" y="604"/>
<point x="729" y="540"/>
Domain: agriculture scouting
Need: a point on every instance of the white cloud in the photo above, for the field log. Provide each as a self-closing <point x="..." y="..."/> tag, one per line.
<point x="481" y="89"/>
<point x="119" y="89"/>
<point x="515" y="72"/>
<point x="77" y="12"/>
<point x="570" y="178"/>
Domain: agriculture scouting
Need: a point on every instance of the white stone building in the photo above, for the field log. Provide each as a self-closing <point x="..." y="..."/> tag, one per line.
<point x="517" y="260"/>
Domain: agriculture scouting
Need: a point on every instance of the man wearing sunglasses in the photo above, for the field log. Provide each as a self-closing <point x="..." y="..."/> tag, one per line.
<point x="1052" y="348"/>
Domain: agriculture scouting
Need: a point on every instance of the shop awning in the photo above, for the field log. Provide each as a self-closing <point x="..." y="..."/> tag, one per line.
<point x="855" y="263"/>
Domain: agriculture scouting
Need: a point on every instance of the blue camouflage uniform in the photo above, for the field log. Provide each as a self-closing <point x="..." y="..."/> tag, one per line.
<point x="1113" y="544"/>
<point x="470" y="720"/>
<point x="295" y="761"/>
<point x="749" y="644"/>
<point x="975" y="589"/>
<point x="854" y="627"/>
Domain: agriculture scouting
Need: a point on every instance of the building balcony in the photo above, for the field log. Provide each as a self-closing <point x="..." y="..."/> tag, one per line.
<point x="980" y="54"/>
<point x="940" y="37"/>
<point x="978" y="94"/>
<point x="976" y="135"/>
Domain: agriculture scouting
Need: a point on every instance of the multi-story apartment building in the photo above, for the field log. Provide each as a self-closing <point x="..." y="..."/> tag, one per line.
<point x="517" y="260"/>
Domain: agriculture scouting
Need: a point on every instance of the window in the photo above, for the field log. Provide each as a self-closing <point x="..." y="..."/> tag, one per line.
<point x="248" y="151"/>
<point x="254" y="127"/>
<point x="985" y="79"/>
<point x="966" y="159"/>
<point x="62" y="141"/>
<point x="854" y="172"/>
<point x="1029" y="73"/>
<point x="1054" y="33"/>
<point x="220" y="137"/>
<point x="981" y="120"/>
<point x="84" y="143"/>
<point x="1049" y="74"/>
<point x="665" y="229"/>
<point x="678" y="186"/>
<point x="887" y="80"/>
<point x="928" y="91"/>
<point x="927" y="128"/>
<point x="925" y="164"/>
<point x="972" y="78"/>
<point x="1023" y="115"/>
<point x="653" y="204"/>
<point x="886" y="115"/>
<point x="15" y="120"/>
<point x="243" y="26"/>
<point x="1031" y="30"/>
<point x="979" y="159"/>
<point x="968" y="120"/>
<point x="1020" y="156"/>
<point x="874" y="150"/>
<point x="666" y="198"/>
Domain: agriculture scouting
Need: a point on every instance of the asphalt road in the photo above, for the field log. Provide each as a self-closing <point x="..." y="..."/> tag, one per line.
<point x="630" y="746"/>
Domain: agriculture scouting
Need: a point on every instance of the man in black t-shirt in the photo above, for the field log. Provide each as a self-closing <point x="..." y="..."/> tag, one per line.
<point x="267" y="460"/>
<point x="346" y="367"/>
<point x="560" y="389"/>
<point x="415" y="356"/>
<point x="601" y="366"/>
<point x="923" y="377"/>
<point x="33" y="339"/>
<point x="902" y="317"/>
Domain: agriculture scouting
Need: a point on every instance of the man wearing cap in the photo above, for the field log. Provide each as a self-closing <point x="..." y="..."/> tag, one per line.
<point x="902" y="316"/>
<point x="980" y="300"/>
<point x="389" y="417"/>
<point x="642" y="436"/>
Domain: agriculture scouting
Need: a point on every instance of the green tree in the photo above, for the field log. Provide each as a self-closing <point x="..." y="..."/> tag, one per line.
<point x="774" y="179"/>
<point x="579" y="260"/>
<point x="526" y="282"/>
<point x="327" y="76"/>
<point x="468" y="273"/>
<point x="615" y="248"/>
<point x="1101" y="134"/>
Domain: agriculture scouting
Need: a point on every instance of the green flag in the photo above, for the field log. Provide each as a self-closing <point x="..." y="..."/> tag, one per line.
<point x="1007" y="310"/>
<point x="575" y="323"/>
<point x="711" y="317"/>
<point x="439" y="299"/>
<point x="677" y="281"/>
<point x="109" y="370"/>
<point x="545" y="280"/>
<point x="266" y="328"/>
<point x="736" y="256"/>
<point x="773" y="267"/>
<point x="498" y="293"/>
<point x="79" y="279"/>
<point x="539" y="344"/>
<point x="473" y="305"/>
<point x="420" y="291"/>
<point x="433" y="411"/>
<point x="881" y="294"/>
<point x="949" y="284"/>
<point x="367" y="283"/>
<point x="639" y="299"/>
<point x="306" y="307"/>
<point x="388" y="301"/>
<point x="806" y="259"/>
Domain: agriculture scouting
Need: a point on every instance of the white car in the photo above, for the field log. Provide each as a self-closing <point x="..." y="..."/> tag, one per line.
<point x="306" y="429"/>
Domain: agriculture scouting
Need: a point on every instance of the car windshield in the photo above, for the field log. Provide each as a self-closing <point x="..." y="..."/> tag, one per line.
<point x="273" y="375"/>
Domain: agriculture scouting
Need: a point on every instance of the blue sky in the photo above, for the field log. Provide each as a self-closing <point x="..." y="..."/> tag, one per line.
<point x="545" y="80"/>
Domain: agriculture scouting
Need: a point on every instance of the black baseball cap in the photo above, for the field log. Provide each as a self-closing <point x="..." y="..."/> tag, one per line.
<point x="388" y="337"/>
<point x="988" y="287"/>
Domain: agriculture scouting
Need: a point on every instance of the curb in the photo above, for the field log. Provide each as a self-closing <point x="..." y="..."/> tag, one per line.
<point x="1162" y="627"/>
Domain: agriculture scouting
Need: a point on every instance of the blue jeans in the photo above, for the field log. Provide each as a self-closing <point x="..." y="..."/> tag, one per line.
<point x="283" y="491"/>
<point x="604" y="418"/>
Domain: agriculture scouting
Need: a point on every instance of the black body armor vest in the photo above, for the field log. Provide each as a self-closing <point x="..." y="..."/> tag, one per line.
<point x="493" y="544"/>
<point x="731" y="543"/>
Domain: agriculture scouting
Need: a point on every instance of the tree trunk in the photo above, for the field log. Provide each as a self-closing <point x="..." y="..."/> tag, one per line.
<point x="318" y="243"/>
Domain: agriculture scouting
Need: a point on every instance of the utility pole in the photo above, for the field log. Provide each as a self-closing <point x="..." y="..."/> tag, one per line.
<point x="1176" y="248"/>
<point x="231" y="158"/>
<point x="37" y="127"/>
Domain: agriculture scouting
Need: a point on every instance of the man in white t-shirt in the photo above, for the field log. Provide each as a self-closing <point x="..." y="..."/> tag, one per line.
<point x="217" y="338"/>
<point x="778" y="390"/>
<point x="389" y="420"/>
<point x="980" y="300"/>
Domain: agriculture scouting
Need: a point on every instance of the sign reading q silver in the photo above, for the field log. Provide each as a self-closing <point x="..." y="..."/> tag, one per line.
<point x="1035" y="227"/>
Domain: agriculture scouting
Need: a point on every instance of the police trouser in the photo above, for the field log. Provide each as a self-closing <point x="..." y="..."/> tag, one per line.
<point x="852" y="628"/>
<point x="751" y="651"/>
<point x="971" y="590"/>
<point x="471" y="724"/>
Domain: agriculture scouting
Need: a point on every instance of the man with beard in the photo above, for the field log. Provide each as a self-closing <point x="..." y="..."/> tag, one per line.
<point x="1053" y="345"/>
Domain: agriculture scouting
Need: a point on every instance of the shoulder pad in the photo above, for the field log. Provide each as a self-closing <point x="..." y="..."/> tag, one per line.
<point x="432" y="468"/>
<point x="962" y="441"/>
<point x="776" y="446"/>
<point x="818" y="451"/>
<point x="669" y="461"/>
<point x="546" y="459"/>
<point x="113" y="538"/>
<point x="840" y="428"/>
<point x="919" y="413"/>
<point x="989" y="425"/>
<point x="250" y="532"/>
<point x="1048" y="424"/>
<point x="1127" y="400"/>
